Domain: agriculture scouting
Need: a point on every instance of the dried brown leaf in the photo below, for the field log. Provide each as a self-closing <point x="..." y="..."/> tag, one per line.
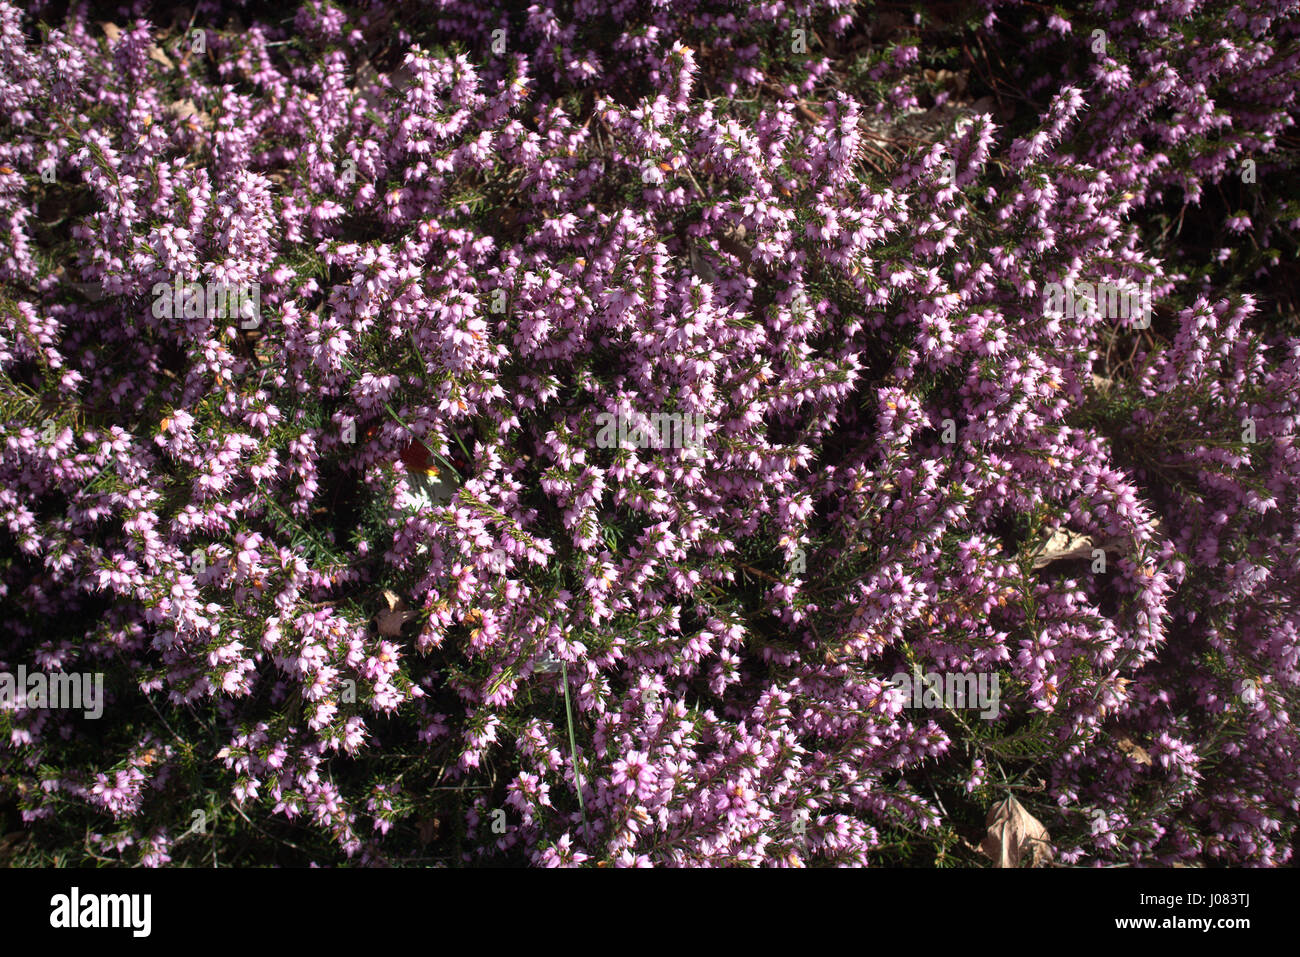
<point x="13" y="844"/>
<point x="186" y="112"/>
<point x="158" y="56"/>
<point x="371" y="84"/>
<point x="1061" y="545"/>
<point x="428" y="828"/>
<point x="391" y="619"/>
<point x="1134" y="751"/>
<point x="1016" y="836"/>
<point x="701" y="266"/>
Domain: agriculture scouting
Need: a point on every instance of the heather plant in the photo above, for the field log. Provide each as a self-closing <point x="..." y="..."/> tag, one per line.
<point x="612" y="400"/>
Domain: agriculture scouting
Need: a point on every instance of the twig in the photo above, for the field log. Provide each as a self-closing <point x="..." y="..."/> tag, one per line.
<point x="755" y="571"/>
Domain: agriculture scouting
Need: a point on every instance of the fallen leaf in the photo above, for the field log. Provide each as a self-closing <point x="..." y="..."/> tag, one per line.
<point x="946" y="78"/>
<point x="1063" y="544"/>
<point x="11" y="845"/>
<point x="1134" y="751"/>
<point x="428" y="828"/>
<point x="391" y="619"/>
<point x="187" y="112"/>
<point x="418" y="459"/>
<point x="1015" y="835"/>
<point x="158" y="56"/>
<point x="390" y="622"/>
<point x="701" y="266"/>
<point x="733" y="241"/>
<point x="371" y="84"/>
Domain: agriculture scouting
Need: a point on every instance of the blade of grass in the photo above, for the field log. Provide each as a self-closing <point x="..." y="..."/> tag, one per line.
<point x="573" y="748"/>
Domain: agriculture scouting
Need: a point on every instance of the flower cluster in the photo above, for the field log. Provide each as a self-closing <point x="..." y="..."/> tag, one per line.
<point x="368" y="565"/>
